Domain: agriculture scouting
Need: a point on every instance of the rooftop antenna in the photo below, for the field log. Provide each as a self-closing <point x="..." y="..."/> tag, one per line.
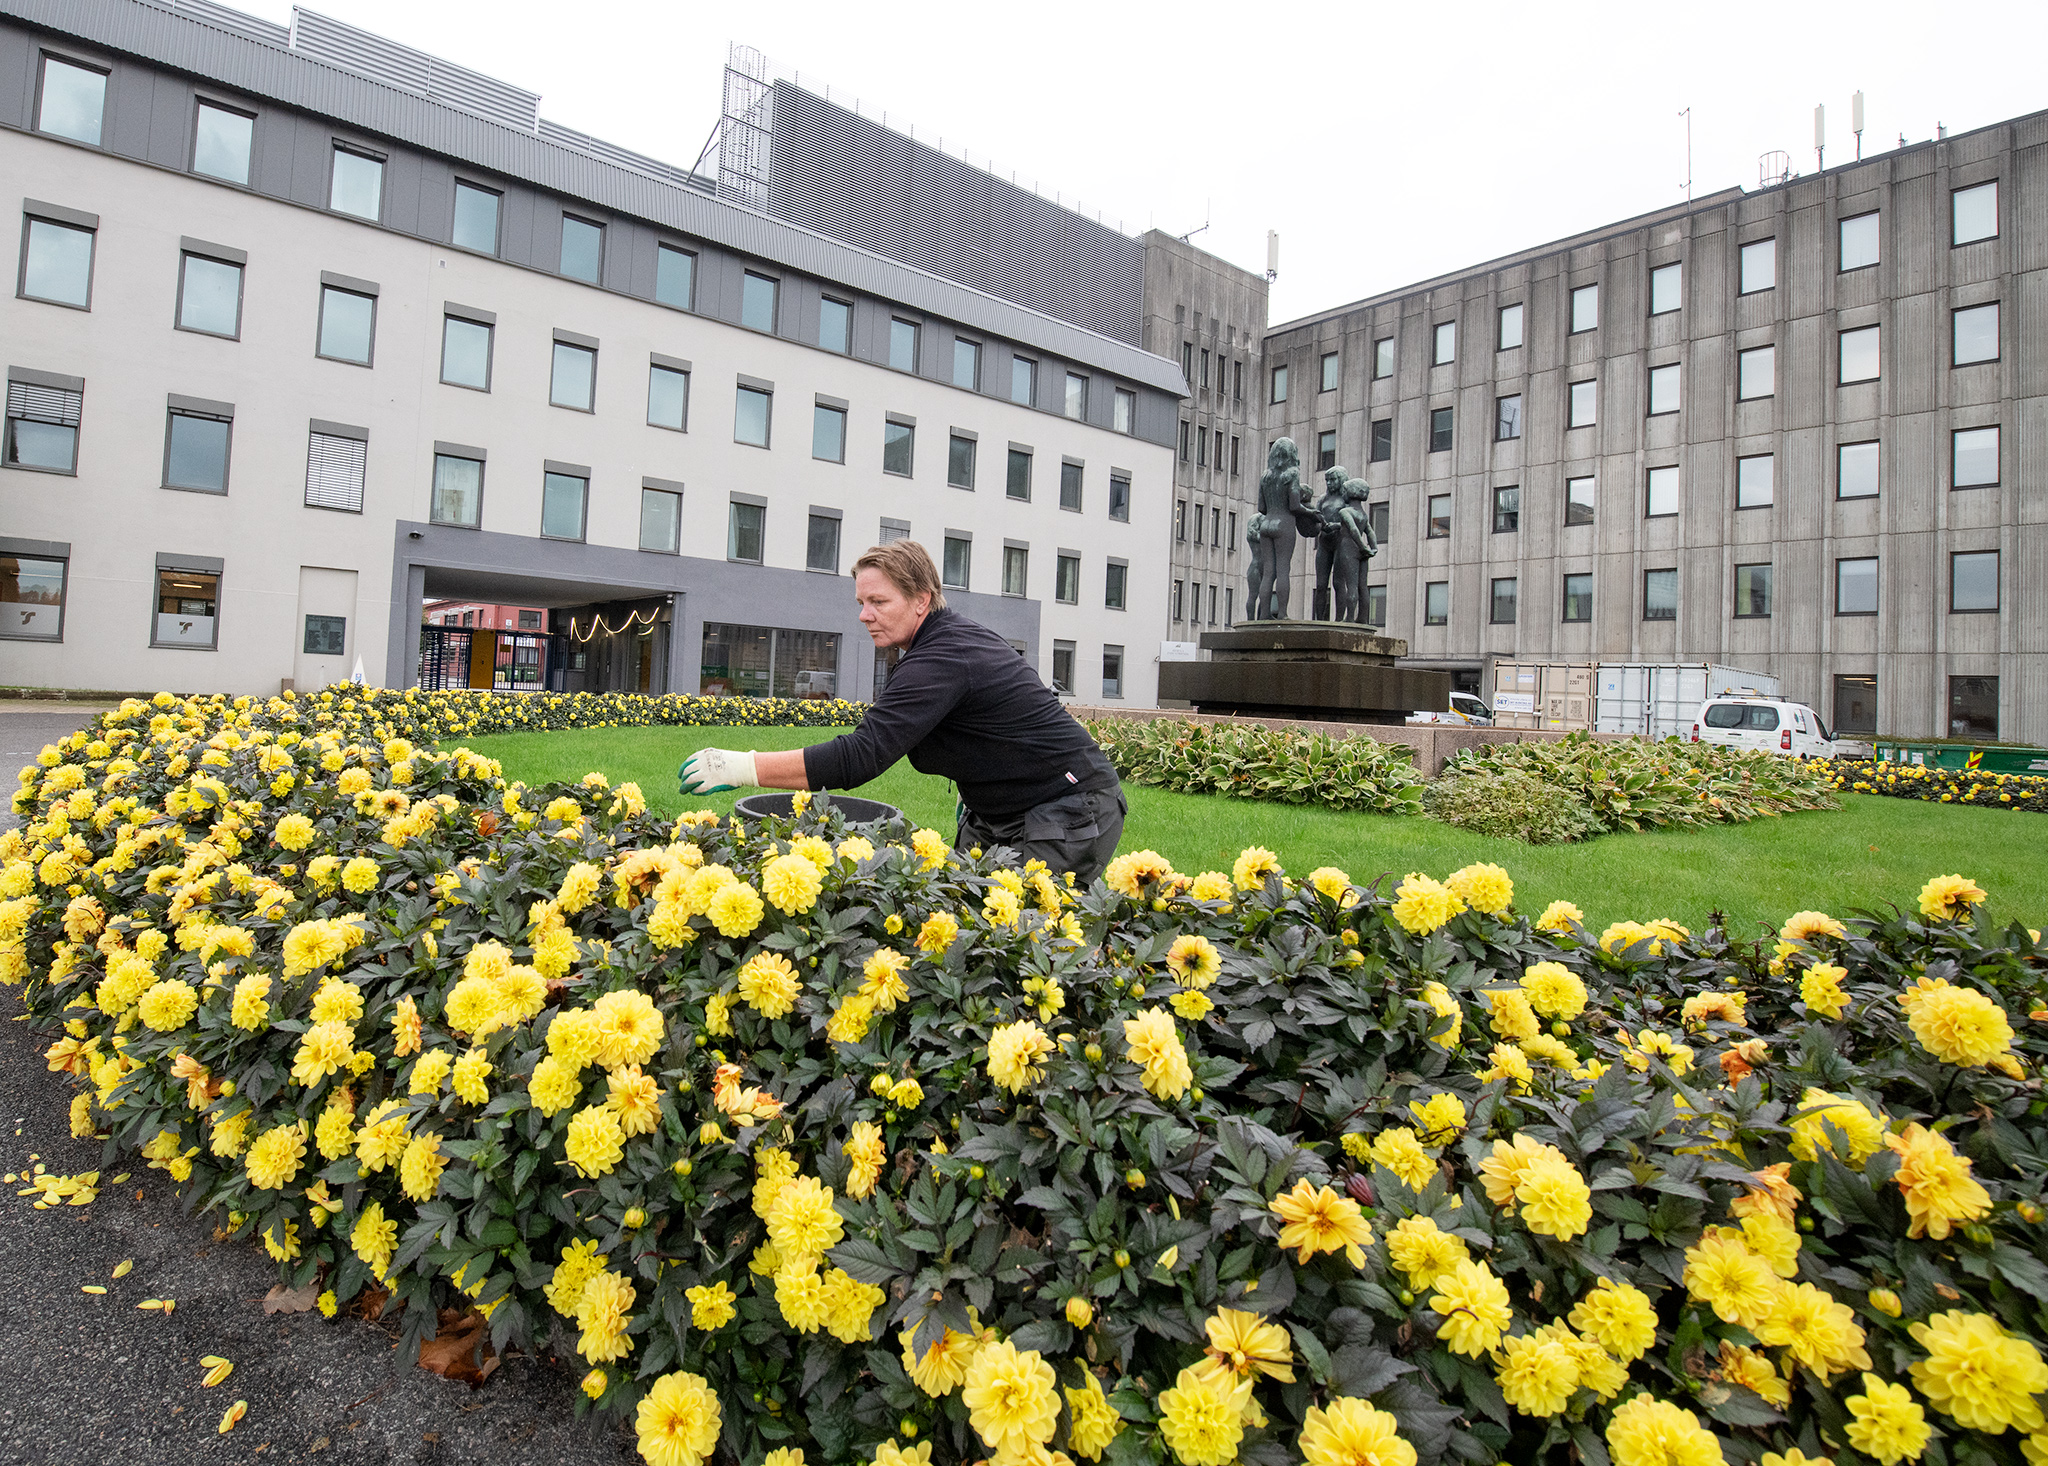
<point x="1856" y="122"/>
<point x="1820" y="137"/>
<point x="1687" y="115"/>
<point x="1272" y="255"/>
<point x="1199" y="227"/>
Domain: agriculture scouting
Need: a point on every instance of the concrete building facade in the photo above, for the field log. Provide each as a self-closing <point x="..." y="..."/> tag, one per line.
<point x="1800" y="430"/>
<point x="295" y="349"/>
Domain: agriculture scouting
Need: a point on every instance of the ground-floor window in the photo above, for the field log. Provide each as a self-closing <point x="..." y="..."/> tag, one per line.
<point x="1973" y="707"/>
<point x="1855" y="703"/>
<point x="763" y="661"/>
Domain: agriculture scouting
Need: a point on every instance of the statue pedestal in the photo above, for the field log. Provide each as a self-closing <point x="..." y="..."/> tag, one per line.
<point x="1328" y="670"/>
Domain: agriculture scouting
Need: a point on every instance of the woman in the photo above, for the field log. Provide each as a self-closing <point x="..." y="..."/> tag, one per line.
<point x="963" y="705"/>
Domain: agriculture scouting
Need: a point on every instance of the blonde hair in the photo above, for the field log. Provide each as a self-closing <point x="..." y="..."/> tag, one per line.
<point x="909" y="568"/>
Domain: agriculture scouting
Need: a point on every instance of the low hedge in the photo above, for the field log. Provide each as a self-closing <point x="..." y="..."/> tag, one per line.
<point x="813" y="1139"/>
<point x="430" y="717"/>
<point x="1250" y="761"/>
<point x="1943" y="786"/>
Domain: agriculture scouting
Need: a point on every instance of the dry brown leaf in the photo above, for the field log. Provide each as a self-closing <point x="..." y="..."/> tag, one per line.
<point x="453" y="1352"/>
<point x="291" y="1300"/>
<point x="368" y="1305"/>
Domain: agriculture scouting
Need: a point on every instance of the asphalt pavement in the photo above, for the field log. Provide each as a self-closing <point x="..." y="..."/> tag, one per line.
<point x="94" y="1379"/>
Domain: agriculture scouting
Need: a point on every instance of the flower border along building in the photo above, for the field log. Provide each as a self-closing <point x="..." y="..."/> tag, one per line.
<point x="310" y="329"/>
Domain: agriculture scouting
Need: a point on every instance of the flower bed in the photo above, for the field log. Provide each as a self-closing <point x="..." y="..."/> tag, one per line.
<point x="1943" y="786"/>
<point x="1247" y="761"/>
<point x="890" y="1155"/>
<point x="429" y="717"/>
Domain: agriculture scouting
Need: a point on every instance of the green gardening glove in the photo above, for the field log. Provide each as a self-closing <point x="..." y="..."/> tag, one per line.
<point x="715" y="770"/>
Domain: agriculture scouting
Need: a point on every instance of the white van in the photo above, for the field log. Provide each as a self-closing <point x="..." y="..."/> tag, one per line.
<point x="1465" y="709"/>
<point x="1763" y="722"/>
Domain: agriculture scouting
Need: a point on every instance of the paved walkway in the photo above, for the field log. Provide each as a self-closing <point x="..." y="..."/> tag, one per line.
<point x="95" y="1379"/>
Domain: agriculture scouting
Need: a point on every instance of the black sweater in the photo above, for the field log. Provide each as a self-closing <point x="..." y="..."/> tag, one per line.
<point x="963" y="705"/>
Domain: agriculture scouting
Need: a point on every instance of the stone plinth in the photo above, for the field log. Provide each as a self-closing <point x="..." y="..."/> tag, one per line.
<point x="1305" y="669"/>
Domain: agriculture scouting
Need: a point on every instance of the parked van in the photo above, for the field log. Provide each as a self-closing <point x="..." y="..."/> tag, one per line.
<point x="1764" y="722"/>
<point x="1465" y="710"/>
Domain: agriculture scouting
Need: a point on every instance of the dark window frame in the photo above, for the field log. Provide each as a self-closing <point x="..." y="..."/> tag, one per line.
<point x="496" y="251"/>
<point x="774" y="284"/>
<point x="955" y="439"/>
<point x="1428" y="618"/>
<point x="1431" y="520"/>
<point x="320" y="326"/>
<point x="1955" y="315"/>
<point x="1843" y="223"/>
<point x="156" y="607"/>
<point x="201" y="102"/>
<point x="1443" y="424"/>
<point x="1382" y="356"/>
<point x="910" y="429"/>
<point x="1742" y="355"/>
<point x="555" y="347"/>
<point x="30" y="218"/>
<point x="847" y="336"/>
<point x="44" y="56"/>
<point x="1876" y="443"/>
<point x="570" y="216"/>
<point x="1116" y="584"/>
<point x="1997" y="429"/>
<point x="227" y="463"/>
<point x="368" y="155"/>
<point x="1500" y="420"/>
<point x="1650" y="408"/>
<point x="812" y="520"/>
<point x="1278" y="379"/>
<point x="1572" y="295"/>
<point x="1770" y="591"/>
<point x="1564" y="611"/>
<point x="1650" y="511"/>
<point x="1770" y="458"/>
<point x="241" y="268"/>
<point x="1748" y="244"/>
<point x="843" y="414"/>
<point x="1876" y="583"/>
<point x="583" y="517"/>
<point x="1436" y="343"/>
<point x="674" y="370"/>
<point x="1514" y="514"/>
<point x="768" y="416"/>
<point x="63" y="563"/>
<point x="1998" y="581"/>
<point x="482" y="483"/>
<point x="676" y="546"/>
<point x="1065" y="581"/>
<point x="1500" y="341"/>
<point x="1997" y="223"/>
<point x="1120" y="502"/>
<point x="1493" y="615"/>
<point x="490" y="330"/>
<point x="1382" y="441"/>
<point x="1331" y="367"/>
<point x="732" y="531"/>
<point x="1571" y="403"/>
<point x="1650" y="614"/>
<point x="1842" y="336"/>
<point x="1651" y="293"/>
<point x="662" y="247"/>
<point x="1592" y="504"/>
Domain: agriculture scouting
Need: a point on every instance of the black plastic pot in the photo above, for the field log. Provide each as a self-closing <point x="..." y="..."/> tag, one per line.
<point x="777" y="805"/>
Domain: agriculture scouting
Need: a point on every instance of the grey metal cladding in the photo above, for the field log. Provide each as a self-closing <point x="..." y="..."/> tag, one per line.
<point x="331" y="40"/>
<point x="259" y="67"/>
<point x="835" y="171"/>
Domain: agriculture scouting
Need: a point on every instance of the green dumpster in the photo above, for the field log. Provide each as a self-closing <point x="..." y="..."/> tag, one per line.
<point x="1991" y="758"/>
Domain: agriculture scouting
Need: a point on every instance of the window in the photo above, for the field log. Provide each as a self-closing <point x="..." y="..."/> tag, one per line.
<point x="1440" y="430"/>
<point x="1975" y="335"/>
<point x="1755" y="481"/>
<point x="564" y="498"/>
<point x="1112" y="671"/>
<point x="828" y="433"/>
<point x="56" y="262"/>
<point x="1660" y="595"/>
<point x="903" y="345"/>
<point x="529" y="620"/>
<point x="1180" y="519"/>
<point x="74" y="101"/>
<point x="1233" y="456"/>
<point x="1973" y="457"/>
<point x="1973" y="708"/>
<point x="1759" y="266"/>
<point x="210" y="296"/>
<point x="1578" y="598"/>
<point x="1212" y="603"/>
<point x="1326" y="450"/>
<point x="187" y="608"/>
<point x="1756" y="373"/>
<point x="31" y="596"/>
<point x="1439" y="517"/>
<point x="1665" y="289"/>
<point x="960" y="462"/>
<point x="743" y="531"/>
<point x="356" y="185"/>
<point x="1752" y="592"/>
<point x="1124" y="418"/>
<point x="1382" y="440"/>
<point x="458" y="490"/>
<point x="967" y="364"/>
<point x="1066" y="585"/>
<point x="1660" y="493"/>
<point x="1507" y="418"/>
<point x="661" y="520"/>
<point x="1383" y="358"/>
<point x="1219" y="448"/>
<point x="1582" y="405"/>
<point x="1017" y="482"/>
<point x="476" y="219"/>
<point x="1578" y="500"/>
<point x="1510" y="327"/>
<point x="1205" y="369"/>
<point x="1665" y="390"/>
<point x="1856" y="587"/>
<point x="1975" y="212"/>
<point x="1376" y="605"/>
<point x="1023" y="379"/>
<point x="1856" y="471"/>
<point x="1585" y="308"/>
<point x="1119" y="496"/>
<point x="1436" y="603"/>
<point x="1230" y="544"/>
<point x="1330" y="370"/>
<point x="821" y="543"/>
<point x="675" y="276"/>
<point x="466" y="353"/>
<point x="1858" y="242"/>
<point x="335" y="460"/>
<point x="468" y="618"/>
<point x="1445" y="344"/>
<point x="1237" y="381"/>
<point x="1859" y="355"/>
<point x="1973" y="580"/>
<point x="1503" y="612"/>
<point x="894" y="530"/>
<point x="1279" y="384"/>
<point x="42" y="421"/>
<point x="1201" y="448"/>
<point x="221" y="143"/>
<point x="1016" y="561"/>
<point x="835" y="325"/>
<point x="1855" y="703"/>
<point x="1116" y="577"/>
<point x="750" y="416"/>
<point x="1507" y="508"/>
<point x="899" y="443"/>
<point x="1187" y="439"/>
<point x="348" y="325"/>
<point x="1070" y="489"/>
<point x="1063" y="667"/>
<point x="958" y="562"/>
<point x="196" y="448"/>
<point x="1077" y="397"/>
<point x="1187" y="361"/>
<point x="573" y="380"/>
<point x="668" y="397"/>
<point x="758" y="297"/>
<point x="1380" y="517"/>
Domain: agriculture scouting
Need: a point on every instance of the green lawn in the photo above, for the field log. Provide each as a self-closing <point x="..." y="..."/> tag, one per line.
<point x="1874" y="851"/>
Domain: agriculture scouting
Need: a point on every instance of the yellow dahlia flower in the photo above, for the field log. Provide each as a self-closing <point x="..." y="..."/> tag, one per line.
<point x="678" y="1421"/>
<point x="1886" y="1422"/>
<point x="1353" y="1432"/>
<point x="1016" y="1055"/>
<point x="1010" y="1397"/>
<point x="1155" y="1046"/>
<point x="1474" y="1306"/>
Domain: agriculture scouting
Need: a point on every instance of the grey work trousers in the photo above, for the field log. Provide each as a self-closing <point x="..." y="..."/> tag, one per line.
<point x="1077" y="832"/>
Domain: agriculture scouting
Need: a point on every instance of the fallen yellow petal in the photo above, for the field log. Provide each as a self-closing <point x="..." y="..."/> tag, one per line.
<point x="151" y="1303"/>
<point x="92" y="1288"/>
<point x="122" y="1177"/>
<point x="234" y="1414"/>
<point x="218" y="1373"/>
<point x="209" y="1360"/>
<point x="124" y="1267"/>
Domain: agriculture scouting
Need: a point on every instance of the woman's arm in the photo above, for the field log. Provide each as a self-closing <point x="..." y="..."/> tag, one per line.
<point x="781" y="769"/>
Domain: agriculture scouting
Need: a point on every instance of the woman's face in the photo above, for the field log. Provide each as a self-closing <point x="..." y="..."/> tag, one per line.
<point x="891" y="617"/>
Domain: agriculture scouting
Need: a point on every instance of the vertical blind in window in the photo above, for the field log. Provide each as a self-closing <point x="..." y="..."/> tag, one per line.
<point x="334" y="472"/>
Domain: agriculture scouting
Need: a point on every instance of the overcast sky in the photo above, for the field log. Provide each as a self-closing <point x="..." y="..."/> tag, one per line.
<point x="1385" y="145"/>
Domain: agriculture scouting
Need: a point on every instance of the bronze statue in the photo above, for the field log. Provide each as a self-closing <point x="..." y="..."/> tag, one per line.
<point x="1328" y="530"/>
<point x="1258" y="534"/>
<point x="1283" y="505"/>
<point x="1355" y="546"/>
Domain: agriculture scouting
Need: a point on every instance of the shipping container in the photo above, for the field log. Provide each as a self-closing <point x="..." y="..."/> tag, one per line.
<point x="1655" y="699"/>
